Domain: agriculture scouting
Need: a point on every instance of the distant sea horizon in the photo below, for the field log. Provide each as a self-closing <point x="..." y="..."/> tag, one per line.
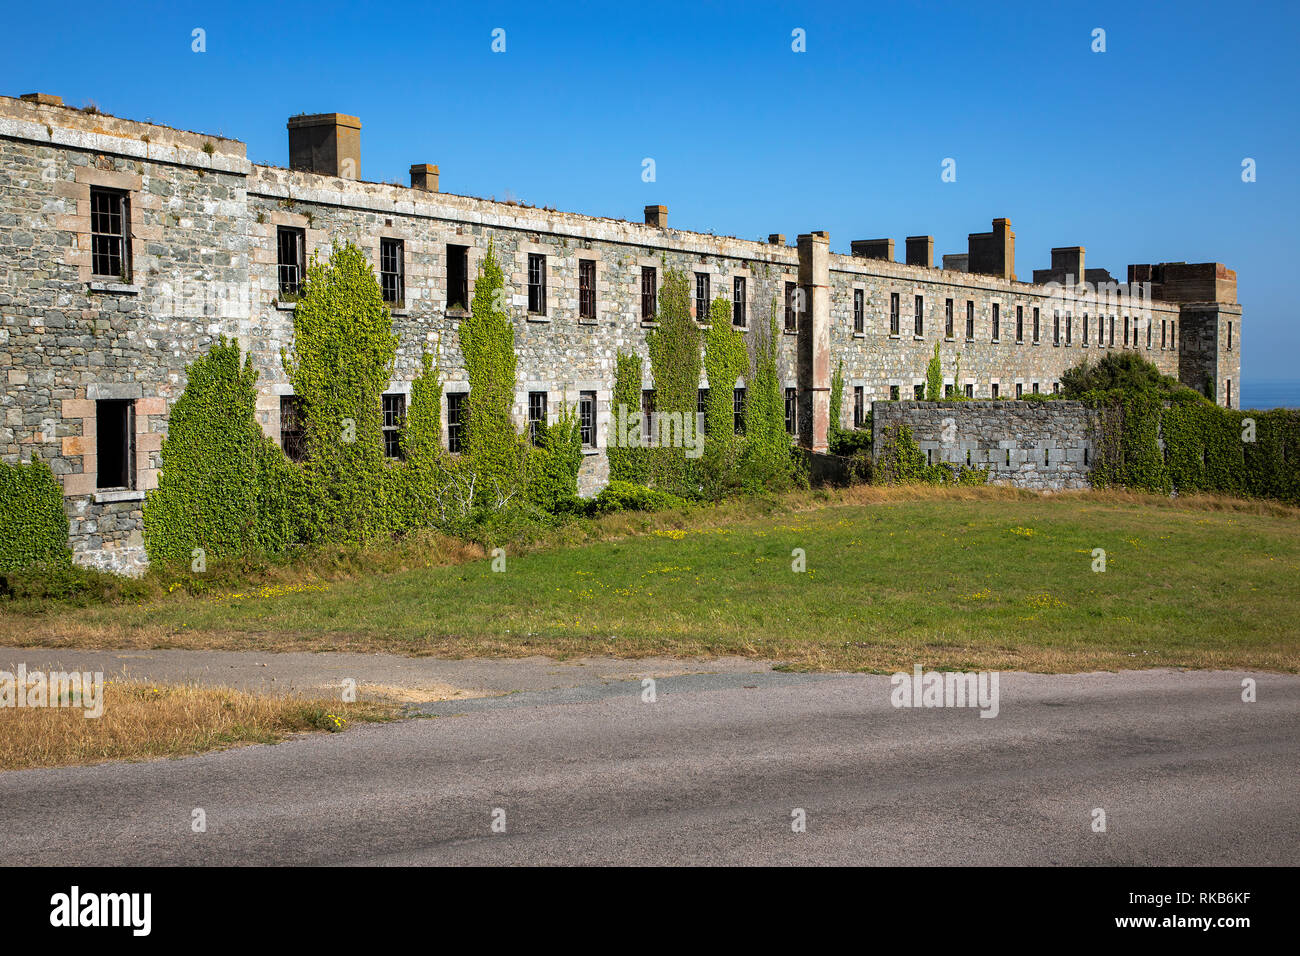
<point x="1263" y="394"/>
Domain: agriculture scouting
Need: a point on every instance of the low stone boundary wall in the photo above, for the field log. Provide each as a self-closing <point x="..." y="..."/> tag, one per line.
<point x="1042" y="445"/>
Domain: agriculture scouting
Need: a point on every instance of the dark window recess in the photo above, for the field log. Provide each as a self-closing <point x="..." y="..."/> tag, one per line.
<point x="893" y="393"/>
<point x="893" y="313"/>
<point x="994" y="390"/>
<point x="110" y="248"/>
<point x="1020" y="390"/>
<point x="293" y="427"/>
<point x="392" y="271"/>
<point x="587" y="418"/>
<point x="859" y="403"/>
<point x="970" y="320"/>
<point x="997" y="322"/>
<point x="918" y="392"/>
<point x="1126" y="331"/>
<point x="859" y="310"/>
<point x="1036" y="325"/>
<point x="738" y="302"/>
<point x="290" y="259"/>
<point x="115" y="443"/>
<point x="649" y="293"/>
<point x="456" y="409"/>
<point x="738" y="411"/>
<point x="536" y="415"/>
<point x="1069" y="323"/>
<point x="1112" y="331"/>
<point x="701" y="297"/>
<point x="587" y="289"/>
<point x="970" y="391"/>
<point x="792" y="411"/>
<point x="947" y="318"/>
<point x="1162" y="335"/>
<point x="702" y="406"/>
<point x="791" y="306"/>
<point x="1085" y="328"/>
<point x="1020" y="323"/>
<point x="647" y="410"/>
<point x="537" y="284"/>
<point x="1149" y="335"/>
<point x="394" y="419"/>
<point x="1056" y="328"/>
<point x="458" y="277"/>
<point x="918" y="315"/>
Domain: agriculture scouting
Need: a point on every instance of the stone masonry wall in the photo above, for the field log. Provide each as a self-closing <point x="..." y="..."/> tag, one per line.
<point x="203" y="226"/>
<point x="1046" y="446"/>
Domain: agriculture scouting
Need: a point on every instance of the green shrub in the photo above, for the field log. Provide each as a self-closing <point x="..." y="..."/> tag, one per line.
<point x="624" y="496"/>
<point x="33" y="525"/>
<point x="627" y="463"/>
<point x="554" y="463"/>
<point x="902" y="462"/>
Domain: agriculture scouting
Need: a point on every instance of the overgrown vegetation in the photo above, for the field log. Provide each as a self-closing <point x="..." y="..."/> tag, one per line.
<point x="33" y="525"/>
<point x="901" y="462"/>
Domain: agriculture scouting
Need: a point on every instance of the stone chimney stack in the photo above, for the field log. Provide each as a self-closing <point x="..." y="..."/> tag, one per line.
<point x="920" y="251"/>
<point x="873" y="248"/>
<point x="776" y="238"/>
<point x="424" y="176"/>
<point x="42" y="99"/>
<point x="656" y="216"/>
<point x="326" y="143"/>
<point x="993" y="253"/>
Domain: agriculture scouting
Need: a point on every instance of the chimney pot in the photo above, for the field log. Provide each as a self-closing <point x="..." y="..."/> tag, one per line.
<point x="776" y="239"/>
<point x="920" y="251"/>
<point x="656" y="216"/>
<point x="873" y="248"/>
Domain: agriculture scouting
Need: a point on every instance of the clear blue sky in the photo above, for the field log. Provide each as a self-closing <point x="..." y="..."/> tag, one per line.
<point x="1134" y="153"/>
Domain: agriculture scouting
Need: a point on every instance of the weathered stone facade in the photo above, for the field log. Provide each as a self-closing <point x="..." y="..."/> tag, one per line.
<point x="1046" y="446"/>
<point x="202" y="226"/>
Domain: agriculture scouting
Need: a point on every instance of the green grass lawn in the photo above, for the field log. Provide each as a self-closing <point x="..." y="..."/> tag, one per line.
<point x="972" y="580"/>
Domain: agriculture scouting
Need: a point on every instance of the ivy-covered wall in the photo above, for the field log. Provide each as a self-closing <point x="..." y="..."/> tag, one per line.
<point x="33" y="526"/>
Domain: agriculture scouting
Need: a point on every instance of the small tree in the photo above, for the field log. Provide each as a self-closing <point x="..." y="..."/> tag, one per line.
<point x="934" y="378"/>
<point x="836" y="428"/>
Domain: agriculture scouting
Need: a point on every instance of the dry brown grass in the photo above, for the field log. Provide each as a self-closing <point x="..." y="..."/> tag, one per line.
<point x="143" y="721"/>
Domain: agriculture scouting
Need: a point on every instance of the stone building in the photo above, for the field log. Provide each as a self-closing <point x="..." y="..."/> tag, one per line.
<point x="126" y="248"/>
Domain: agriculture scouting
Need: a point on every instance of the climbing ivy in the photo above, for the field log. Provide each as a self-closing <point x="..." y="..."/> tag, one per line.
<point x="934" y="378"/>
<point x="674" y="346"/>
<point x="835" y="429"/>
<point x="726" y="360"/>
<point x="901" y="462"/>
<point x="628" y="464"/>
<point x="340" y="363"/>
<point x="33" y="525"/>
<point x="766" y="462"/>
<point x="225" y="487"/>
<point x="496" y="452"/>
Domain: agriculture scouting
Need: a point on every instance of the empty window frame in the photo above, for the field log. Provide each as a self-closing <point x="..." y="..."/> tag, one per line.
<point x="649" y="293"/>
<point x="918" y="315"/>
<point x="293" y="428"/>
<point x="110" y="231"/>
<point x="115" y="443"/>
<point x="1112" y="331"/>
<point x="1020" y="323"/>
<point x="1020" y="389"/>
<point x="893" y="313"/>
<point x="1069" y="327"/>
<point x="1149" y="336"/>
<point x="1056" y="328"/>
<point x="587" y="290"/>
<point x="738" y="318"/>
<point x="859" y="406"/>
<point x="997" y="321"/>
<point x="792" y="411"/>
<point x="859" y="310"/>
<point x="456" y="411"/>
<point x="587" y="418"/>
<point x="893" y="393"/>
<point x="536" y="283"/>
<point x="918" y="392"/>
<point x="1229" y="337"/>
<point x="1164" y="334"/>
<point x="1037" y="328"/>
<point x="947" y="318"/>
<point x="647" y="411"/>
<point x="970" y="390"/>
<point x="702" y="297"/>
<point x="1126" y="331"/>
<point x="536" y="415"/>
<point x="702" y="407"/>
<point x="738" y="411"/>
<point x="993" y="390"/>
<point x="394" y="419"/>
<point x="392" y="271"/>
<point x="457" y="278"/>
<point x="970" y="320"/>
<point x="1085" y="330"/>
<point x="290" y="246"/>
<point x="1228" y="402"/>
<point x="791" y="306"/>
<point x="1173" y="334"/>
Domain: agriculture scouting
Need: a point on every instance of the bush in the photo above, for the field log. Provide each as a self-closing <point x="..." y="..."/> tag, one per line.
<point x="624" y="496"/>
<point x="33" y="525"/>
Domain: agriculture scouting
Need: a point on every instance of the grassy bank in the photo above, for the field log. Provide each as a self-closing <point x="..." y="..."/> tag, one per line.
<point x="142" y="721"/>
<point x="980" y="577"/>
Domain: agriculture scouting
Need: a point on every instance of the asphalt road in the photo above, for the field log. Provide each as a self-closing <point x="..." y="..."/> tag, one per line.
<point x="711" y="772"/>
